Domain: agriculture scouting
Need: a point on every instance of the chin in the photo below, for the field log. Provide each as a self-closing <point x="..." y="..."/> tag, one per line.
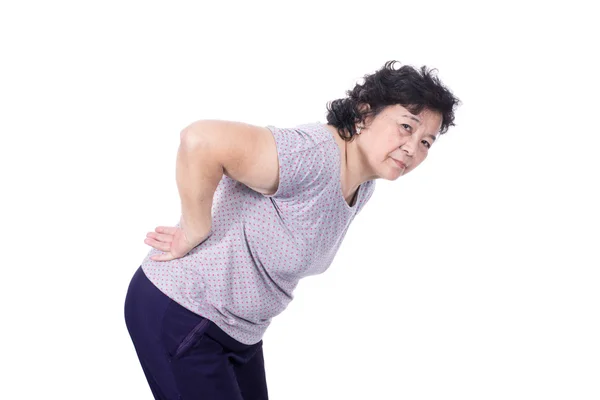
<point x="397" y="176"/>
<point x="392" y="175"/>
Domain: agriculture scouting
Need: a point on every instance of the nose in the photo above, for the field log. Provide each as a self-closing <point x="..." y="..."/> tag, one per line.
<point x="408" y="147"/>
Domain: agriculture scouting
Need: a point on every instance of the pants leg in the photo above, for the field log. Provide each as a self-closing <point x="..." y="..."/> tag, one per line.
<point x="251" y="377"/>
<point x="186" y="356"/>
<point x="144" y="311"/>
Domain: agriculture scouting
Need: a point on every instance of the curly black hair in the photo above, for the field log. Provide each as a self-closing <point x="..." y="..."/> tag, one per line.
<point x="407" y="86"/>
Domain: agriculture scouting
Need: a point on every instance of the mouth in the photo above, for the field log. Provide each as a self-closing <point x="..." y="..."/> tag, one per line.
<point x="399" y="163"/>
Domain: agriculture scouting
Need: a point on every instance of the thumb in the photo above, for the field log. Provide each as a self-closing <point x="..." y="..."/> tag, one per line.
<point x="163" y="257"/>
<point x="170" y="230"/>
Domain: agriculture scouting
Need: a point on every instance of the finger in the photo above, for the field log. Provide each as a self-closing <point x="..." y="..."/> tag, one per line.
<point x="160" y="237"/>
<point x="163" y="257"/>
<point x="158" y="245"/>
<point x="170" y="230"/>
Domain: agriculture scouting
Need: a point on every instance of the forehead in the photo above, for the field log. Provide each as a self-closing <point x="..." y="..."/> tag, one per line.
<point x="430" y="120"/>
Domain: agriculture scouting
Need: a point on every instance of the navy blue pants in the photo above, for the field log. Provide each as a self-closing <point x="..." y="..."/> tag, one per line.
<point x="185" y="356"/>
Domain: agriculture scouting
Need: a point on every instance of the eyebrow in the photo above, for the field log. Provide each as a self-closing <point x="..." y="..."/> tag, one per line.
<point x="411" y="117"/>
<point x="419" y="121"/>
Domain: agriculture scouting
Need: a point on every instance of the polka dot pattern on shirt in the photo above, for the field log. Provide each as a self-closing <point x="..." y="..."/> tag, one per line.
<point x="245" y="272"/>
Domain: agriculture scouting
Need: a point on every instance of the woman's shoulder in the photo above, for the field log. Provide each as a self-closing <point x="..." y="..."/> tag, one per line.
<point x="301" y="137"/>
<point x="308" y="159"/>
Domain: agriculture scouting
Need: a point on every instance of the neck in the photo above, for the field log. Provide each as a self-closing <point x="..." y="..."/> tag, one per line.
<point x="352" y="171"/>
<point x="351" y="179"/>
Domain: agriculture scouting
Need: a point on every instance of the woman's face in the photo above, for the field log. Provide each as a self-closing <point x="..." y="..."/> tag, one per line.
<point x="397" y="135"/>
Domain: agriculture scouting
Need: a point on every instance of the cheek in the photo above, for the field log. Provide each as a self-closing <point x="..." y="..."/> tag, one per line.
<point x="419" y="159"/>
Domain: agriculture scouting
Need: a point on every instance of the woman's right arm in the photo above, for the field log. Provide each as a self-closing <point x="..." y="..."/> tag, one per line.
<point x="210" y="148"/>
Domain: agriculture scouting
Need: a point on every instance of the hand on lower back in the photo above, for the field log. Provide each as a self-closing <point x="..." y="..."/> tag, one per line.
<point x="173" y="241"/>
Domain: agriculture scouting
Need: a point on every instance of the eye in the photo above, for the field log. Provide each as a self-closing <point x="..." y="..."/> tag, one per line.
<point x="407" y="127"/>
<point x="426" y="143"/>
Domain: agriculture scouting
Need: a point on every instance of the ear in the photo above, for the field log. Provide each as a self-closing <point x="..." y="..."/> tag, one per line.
<point x="363" y="107"/>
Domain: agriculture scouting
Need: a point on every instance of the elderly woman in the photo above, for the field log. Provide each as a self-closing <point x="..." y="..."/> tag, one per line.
<point x="263" y="207"/>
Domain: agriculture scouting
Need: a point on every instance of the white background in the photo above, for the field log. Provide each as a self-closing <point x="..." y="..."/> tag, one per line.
<point x="491" y="290"/>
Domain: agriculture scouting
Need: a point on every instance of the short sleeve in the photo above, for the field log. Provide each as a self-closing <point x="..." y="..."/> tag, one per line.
<point x="305" y="162"/>
<point x="369" y="189"/>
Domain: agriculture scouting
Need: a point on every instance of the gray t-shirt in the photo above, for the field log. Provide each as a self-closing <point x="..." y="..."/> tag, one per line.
<point x="245" y="272"/>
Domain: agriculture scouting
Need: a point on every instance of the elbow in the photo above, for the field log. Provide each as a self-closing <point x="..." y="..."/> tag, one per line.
<point x="192" y="133"/>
